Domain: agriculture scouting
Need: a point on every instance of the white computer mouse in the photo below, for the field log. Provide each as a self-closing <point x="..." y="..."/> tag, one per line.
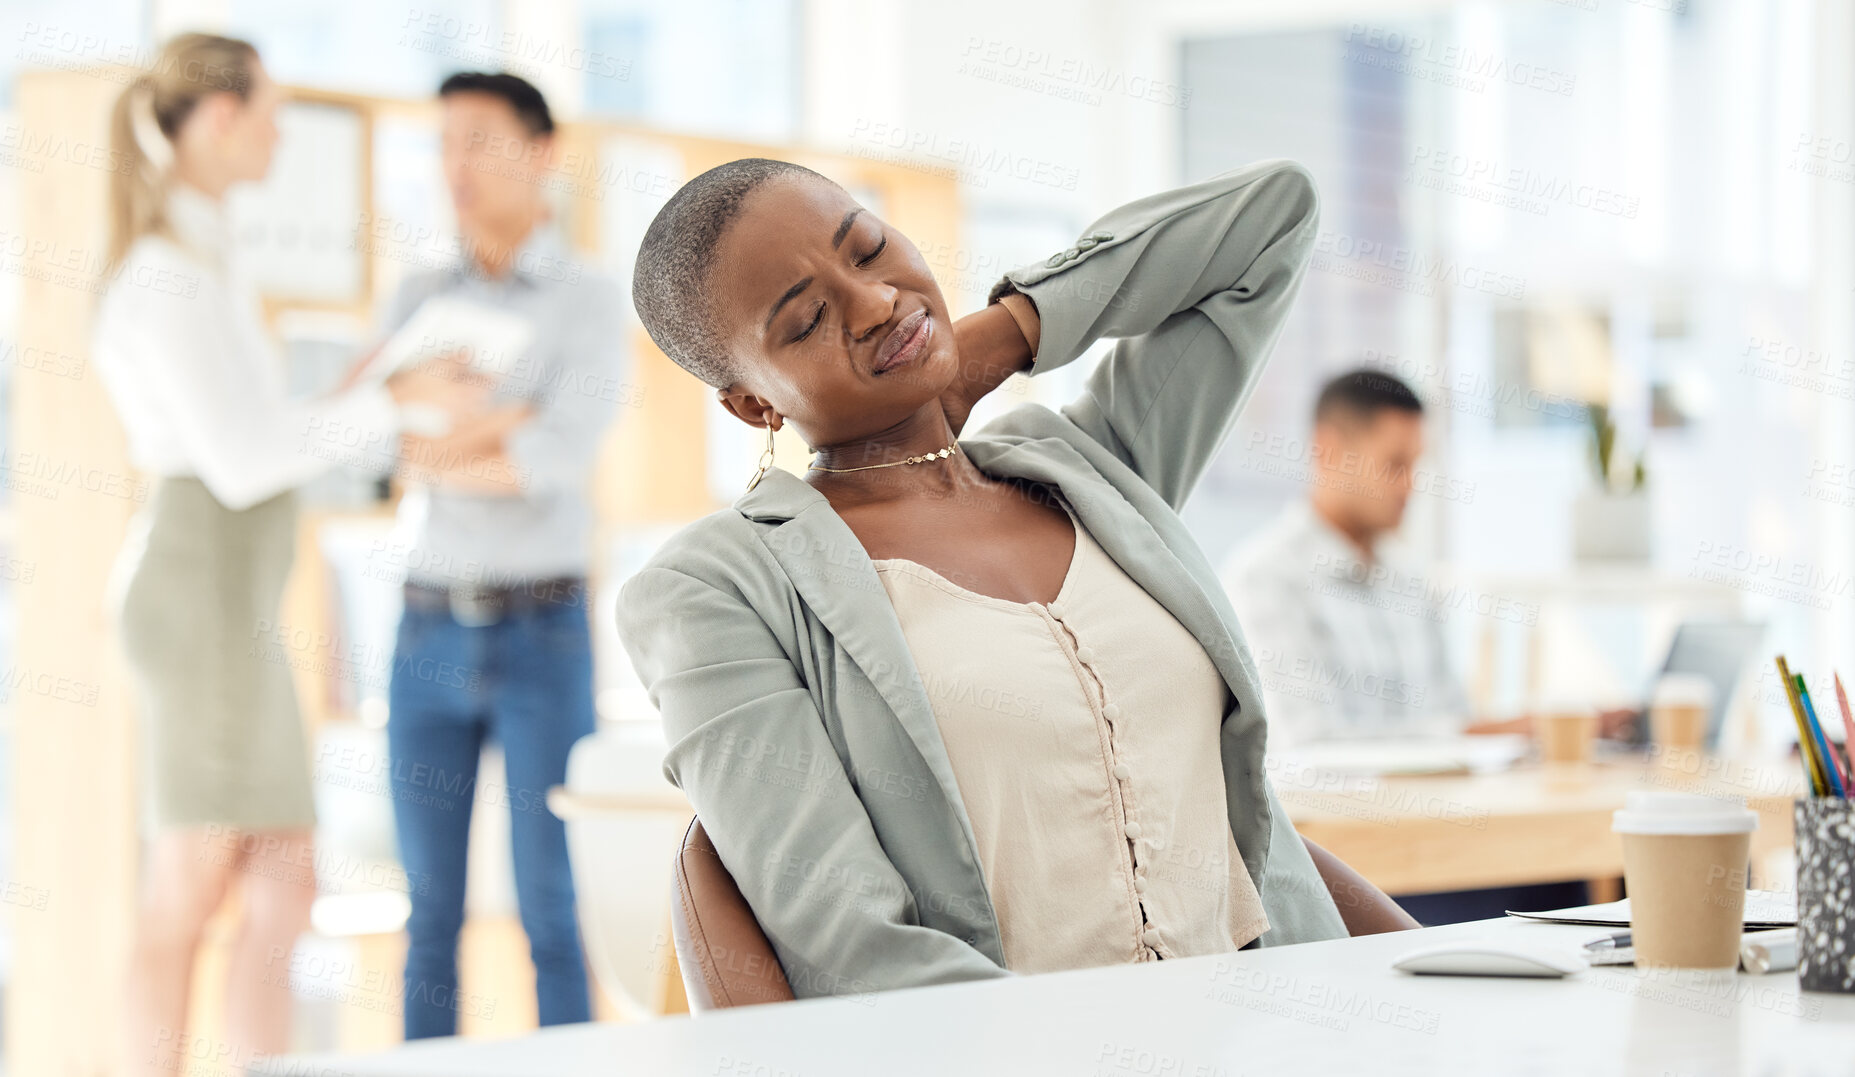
<point x="1490" y="957"/>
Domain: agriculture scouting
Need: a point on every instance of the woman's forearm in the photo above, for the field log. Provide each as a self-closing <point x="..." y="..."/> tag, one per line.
<point x="1365" y="908"/>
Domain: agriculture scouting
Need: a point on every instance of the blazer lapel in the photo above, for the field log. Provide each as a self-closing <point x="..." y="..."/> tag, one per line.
<point x="832" y="572"/>
<point x="1127" y="535"/>
<point x="830" y="569"/>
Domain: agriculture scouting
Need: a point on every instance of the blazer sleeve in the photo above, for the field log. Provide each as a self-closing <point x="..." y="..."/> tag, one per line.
<point x="1194" y="284"/>
<point x="747" y="745"/>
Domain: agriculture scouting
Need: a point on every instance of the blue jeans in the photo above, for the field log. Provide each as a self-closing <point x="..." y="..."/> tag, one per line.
<point x="527" y="682"/>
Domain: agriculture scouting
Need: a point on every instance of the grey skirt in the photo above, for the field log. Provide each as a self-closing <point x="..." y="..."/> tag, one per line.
<point x="222" y="738"/>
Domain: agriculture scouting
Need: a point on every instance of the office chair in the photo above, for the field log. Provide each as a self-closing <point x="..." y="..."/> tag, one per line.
<point x="725" y="957"/>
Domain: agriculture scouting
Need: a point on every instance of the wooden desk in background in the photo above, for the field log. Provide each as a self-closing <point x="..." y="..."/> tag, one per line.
<point x="1528" y="825"/>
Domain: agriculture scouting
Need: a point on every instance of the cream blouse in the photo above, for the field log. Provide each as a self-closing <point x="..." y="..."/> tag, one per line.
<point x="1084" y="741"/>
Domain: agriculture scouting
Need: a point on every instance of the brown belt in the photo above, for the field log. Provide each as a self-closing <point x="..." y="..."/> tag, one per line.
<point x="477" y="606"/>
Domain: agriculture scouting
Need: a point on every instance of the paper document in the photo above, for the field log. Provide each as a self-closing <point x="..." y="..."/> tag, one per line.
<point x="1764" y="908"/>
<point x="495" y="340"/>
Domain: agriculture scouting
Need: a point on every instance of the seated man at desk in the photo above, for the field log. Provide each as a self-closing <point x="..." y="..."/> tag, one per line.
<point x="1348" y="634"/>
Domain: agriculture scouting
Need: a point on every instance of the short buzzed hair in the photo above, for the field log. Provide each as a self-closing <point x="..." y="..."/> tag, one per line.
<point x="670" y="284"/>
<point x="1363" y="394"/>
<point x="517" y="92"/>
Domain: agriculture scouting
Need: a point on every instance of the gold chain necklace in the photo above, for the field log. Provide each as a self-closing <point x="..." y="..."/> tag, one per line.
<point x="941" y="455"/>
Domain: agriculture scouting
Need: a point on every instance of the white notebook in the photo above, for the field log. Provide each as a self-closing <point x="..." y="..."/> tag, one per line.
<point x="494" y="339"/>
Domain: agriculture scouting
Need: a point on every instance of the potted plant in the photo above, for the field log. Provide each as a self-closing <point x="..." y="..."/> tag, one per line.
<point x="1610" y="519"/>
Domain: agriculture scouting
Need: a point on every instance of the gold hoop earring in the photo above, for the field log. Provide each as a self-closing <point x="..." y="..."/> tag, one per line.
<point x="766" y="462"/>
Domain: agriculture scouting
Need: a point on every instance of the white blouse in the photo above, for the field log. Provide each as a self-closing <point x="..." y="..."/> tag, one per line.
<point x="198" y="383"/>
<point x="1085" y="741"/>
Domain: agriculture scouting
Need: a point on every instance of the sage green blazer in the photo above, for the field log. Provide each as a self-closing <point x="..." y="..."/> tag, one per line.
<point x="797" y="723"/>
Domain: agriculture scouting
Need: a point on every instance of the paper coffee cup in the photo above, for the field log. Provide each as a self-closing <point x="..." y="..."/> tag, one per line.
<point x="1679" y="710"/>
<point x="1684" y="863"/>
<point x="1565" y="736"/>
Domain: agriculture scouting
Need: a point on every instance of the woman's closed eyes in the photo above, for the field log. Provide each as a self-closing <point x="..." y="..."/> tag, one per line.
<point x="818" y="313"/>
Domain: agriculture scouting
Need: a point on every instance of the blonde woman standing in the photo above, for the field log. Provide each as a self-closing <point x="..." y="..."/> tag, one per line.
<point x="200" y="391"/>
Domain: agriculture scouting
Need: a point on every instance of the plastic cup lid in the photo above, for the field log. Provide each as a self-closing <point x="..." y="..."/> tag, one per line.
<point x="1683" y="813"/>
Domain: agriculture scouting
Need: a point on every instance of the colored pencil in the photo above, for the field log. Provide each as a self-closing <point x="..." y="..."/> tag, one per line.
<point x="1848" y="736"/>
<point x="1822" y="743"/>
<point x="1813" y="767"/>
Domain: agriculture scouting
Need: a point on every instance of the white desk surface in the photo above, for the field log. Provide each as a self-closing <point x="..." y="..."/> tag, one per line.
<point x="1321" y="1008"/>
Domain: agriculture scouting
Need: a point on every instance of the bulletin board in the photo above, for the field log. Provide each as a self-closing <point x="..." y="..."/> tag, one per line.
<point x="294" y="232"/>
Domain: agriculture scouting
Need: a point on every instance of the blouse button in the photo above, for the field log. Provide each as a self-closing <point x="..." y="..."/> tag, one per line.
<point x="1151" y="938"/>
<point x="1083" y="654"/>
<point x="1123" y="771"/>
<point x="1133" y="831"/>
<point x="1111" y="711"/>
<point x="1139" y="884"/>
<point x="1056" y="609"/>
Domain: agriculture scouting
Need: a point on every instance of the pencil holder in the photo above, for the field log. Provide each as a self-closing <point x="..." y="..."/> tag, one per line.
<point x="1825" y="894"/>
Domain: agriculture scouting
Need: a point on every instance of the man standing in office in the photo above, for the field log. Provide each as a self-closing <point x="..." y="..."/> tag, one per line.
<point x="493" y="540"/>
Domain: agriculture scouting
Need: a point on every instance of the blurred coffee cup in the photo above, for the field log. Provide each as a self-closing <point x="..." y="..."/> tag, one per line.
<point x="1679" y="710"/>
<point x="1565" y="732"/>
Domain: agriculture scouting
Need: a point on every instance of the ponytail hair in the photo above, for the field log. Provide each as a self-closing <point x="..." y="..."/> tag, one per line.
<point x="146" y="120"/>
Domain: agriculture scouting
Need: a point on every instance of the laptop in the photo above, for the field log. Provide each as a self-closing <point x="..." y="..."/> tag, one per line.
<point x="1717" y="650"/>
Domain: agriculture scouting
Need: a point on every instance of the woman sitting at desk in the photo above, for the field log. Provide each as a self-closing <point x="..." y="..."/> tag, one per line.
<point x="952" y="709"/>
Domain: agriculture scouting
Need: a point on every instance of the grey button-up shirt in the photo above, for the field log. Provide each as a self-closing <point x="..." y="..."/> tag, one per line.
<point x="1346" y="649"/>
<point x="575" y="373"/>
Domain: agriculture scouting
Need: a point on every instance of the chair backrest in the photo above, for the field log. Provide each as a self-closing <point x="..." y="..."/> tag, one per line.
<point x="725" y="957"/>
